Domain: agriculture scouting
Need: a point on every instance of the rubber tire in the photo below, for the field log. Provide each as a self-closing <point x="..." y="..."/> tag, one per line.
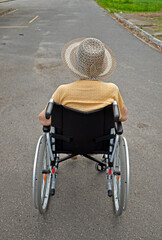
<point x="119" y="185"/>
<point x="35" y="174"/>
<point x="127" y="173"/>
<point x="43" y="163"/>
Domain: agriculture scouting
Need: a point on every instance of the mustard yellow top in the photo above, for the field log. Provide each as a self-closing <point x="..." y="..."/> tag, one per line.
<point x="88" y="95"/>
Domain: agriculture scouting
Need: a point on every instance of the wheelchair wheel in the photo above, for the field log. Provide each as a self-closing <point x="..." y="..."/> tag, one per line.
<point x="127" y="172"/>
<point x="41" y="182"/>
<point x="119" y="178"/>
<point x="35" y="174"/>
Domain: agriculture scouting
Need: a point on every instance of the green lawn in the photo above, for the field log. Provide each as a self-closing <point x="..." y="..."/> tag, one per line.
<point x="131" y="5"/>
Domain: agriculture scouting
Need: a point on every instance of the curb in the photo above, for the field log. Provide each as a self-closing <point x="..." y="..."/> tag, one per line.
<point x="142" y="32"/>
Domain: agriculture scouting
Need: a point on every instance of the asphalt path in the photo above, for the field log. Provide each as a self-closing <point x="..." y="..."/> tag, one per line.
<point x="31" y="39"/>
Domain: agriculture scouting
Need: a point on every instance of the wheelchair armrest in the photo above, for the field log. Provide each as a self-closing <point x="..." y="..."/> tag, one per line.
<point x="118" y="128"/>
<point x="49" y="108"/>
<point x="116" y="111"/>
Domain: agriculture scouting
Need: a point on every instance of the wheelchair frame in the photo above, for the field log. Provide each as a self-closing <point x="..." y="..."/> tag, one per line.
<point x="115" y="164"/>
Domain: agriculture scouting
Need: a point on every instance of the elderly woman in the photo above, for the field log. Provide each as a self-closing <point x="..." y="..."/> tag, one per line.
<point x="91" y="61"/>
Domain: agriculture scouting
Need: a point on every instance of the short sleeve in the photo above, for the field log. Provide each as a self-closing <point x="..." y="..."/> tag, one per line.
<point x="119" y="100"/>
<point x="56" y="95"/>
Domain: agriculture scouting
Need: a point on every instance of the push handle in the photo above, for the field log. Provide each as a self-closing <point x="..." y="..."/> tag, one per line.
<point x="116" y="111"/>
<point x="49" y="108"/>
<point x="118" y="124"/>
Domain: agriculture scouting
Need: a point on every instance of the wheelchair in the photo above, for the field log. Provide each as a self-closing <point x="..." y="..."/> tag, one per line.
<point x="89" y="134"/>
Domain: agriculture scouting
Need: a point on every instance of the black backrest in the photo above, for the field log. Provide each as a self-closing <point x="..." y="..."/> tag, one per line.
<point x="82" y="132"/>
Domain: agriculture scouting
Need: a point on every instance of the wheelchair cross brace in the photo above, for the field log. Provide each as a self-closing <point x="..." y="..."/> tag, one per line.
<point x="107" y="164"/>
<point x="95" y="160"/>
<point x="84" y="155"/>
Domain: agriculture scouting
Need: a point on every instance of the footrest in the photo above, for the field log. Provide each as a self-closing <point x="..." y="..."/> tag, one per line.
<point x="100" y="168"/>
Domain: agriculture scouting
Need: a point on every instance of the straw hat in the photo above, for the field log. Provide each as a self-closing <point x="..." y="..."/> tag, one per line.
<point x="88" y="58"/>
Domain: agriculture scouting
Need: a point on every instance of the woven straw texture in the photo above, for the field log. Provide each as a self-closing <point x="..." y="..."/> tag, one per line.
<point x="88" y="58"/>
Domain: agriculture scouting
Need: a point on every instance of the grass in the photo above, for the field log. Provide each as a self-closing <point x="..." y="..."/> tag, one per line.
<point x="158" y="24"/>
<point x="131" y="5"/>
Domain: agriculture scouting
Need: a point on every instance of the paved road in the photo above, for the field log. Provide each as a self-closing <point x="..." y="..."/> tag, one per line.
<point x="30" y="70"/>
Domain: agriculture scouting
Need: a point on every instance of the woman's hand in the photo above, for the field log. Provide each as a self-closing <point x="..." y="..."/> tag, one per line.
<point x="124" y="114"/>
<point x="43" y="120"/>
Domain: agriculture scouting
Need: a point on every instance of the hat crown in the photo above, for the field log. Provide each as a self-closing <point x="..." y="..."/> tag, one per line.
<point x="90" y="54"/>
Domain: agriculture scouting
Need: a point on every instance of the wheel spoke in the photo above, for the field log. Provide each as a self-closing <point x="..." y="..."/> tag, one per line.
<point x="118" y="179"/>
<point x="43" y="179"/>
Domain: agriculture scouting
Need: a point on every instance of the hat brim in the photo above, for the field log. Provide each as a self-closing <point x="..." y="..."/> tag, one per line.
<point x="69" y="60"/>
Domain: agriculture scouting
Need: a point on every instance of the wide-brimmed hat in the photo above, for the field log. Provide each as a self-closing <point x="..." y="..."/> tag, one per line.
<point x="88" y="58"/>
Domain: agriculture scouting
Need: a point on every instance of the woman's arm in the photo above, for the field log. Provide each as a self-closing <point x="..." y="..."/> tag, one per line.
<point x="124" y="114"/>
<point x="43" y="120"/>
